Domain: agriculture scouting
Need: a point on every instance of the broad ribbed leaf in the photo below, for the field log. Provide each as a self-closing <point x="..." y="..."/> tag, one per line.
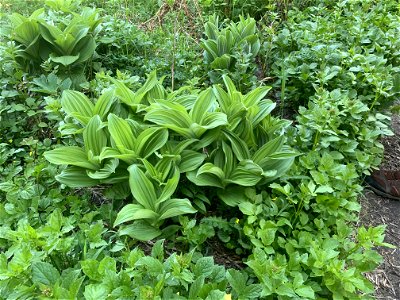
<point x="211" y="50"/>
<point x="190" y="160"/>
<point x="169" y="187"/>
<point x="239" y="147"/>
<point x="142" y="188"/>
<point x="211" y="30"/>
<point x="230" y="86"/>
<point x="212" y="169"/>
<point x="129" y="156"/>
<point x="121" y="133"/>
<point x="175" y="207"/>
<point x="103" y="104"/>
<point x="204" y="179"/>
<point x="151" y="140"/>
<point x="123" y="93"/>
<point x="17" y="19"/>
<point x="77" y="105"/>
<point x="94" y="136"/>
<point x="246" y="173"/>
<point x="132" y="212"/>
<point x="232" y="195"/>
<point x="214" y="119"/>
<point x="202" y="105"/>
<point x="70" y="155"/>
<point x="229" y="162"/>
<point x="76" y="177"/>
<point x="26" y="33"/>
<point x="255" y="96"/>
<point x="268" y="149"/>
<point x="150" y="83"/>
<point x="106" y="171"/>
<point x="85" y="47"/>
<point x="140" y="230"/>
<point x="221" y="63"/>
<point x="208" y="174"/>
<point x="167" y="113"/>
<point x="65" y="60"/>
<point x="264" y="109"/>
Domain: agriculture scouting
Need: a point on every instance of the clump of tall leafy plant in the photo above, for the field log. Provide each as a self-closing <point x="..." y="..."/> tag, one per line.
<point x="162" y="139"/>
<point x="56" y="39"/>
<point x="231" y="50"/>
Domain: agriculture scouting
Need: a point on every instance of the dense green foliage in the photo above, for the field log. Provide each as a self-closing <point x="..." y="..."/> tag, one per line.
<point x="134" y="148"/>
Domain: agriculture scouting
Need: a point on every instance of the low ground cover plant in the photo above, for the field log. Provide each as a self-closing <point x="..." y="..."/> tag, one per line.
<point x="124" y="182"/>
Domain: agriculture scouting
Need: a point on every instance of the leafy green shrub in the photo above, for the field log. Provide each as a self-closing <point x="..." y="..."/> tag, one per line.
<point x="231" y="50"/>
<point x="62" y="39"/>
<point x="165" y="135"/>
<point x="359" y="55"/>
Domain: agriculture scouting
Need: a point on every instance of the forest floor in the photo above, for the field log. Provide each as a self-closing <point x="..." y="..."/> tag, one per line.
<point x="377" y="210"/>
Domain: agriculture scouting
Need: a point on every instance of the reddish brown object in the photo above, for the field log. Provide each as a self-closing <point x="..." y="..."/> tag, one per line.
<point x="385" y="183"/>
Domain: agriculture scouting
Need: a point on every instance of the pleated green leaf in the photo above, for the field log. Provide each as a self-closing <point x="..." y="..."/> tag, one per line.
<point x="239" y="147"/>
<point x="247" y="173"/>
<point x="268" y="149"/>
<point x="190" y="160"/>
<point x="106" y="171"/>
<point x="175" y="207"/>
<point x="94" y="136"/>
<point x="150" y="140"/>
<point x="169" y="187"/>
<point x="121" y="133"/>
<point x="77" y="105"/>
<point x="142" y="188"/>
<point x="65" y="60"/>
<point x="140" y="230"/>
<point x="132" y="212"/>
<point x="255" y="96"/>
<point x="202" y="105"/>
<point x="76" y="177"/>
<point x="70" y="155"/>
<point x="103" y="104"/>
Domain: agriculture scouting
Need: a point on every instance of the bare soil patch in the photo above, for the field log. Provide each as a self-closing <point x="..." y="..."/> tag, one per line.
<point x="377" y="210"/>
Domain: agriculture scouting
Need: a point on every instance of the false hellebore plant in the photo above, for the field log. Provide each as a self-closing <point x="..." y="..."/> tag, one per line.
<point x="156" y="140"/>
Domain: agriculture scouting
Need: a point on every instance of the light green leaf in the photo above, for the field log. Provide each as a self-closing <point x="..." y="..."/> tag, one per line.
<point x="214" y="119"/>
<point x="94" y="137"/>
<point x="106" y="171"/>
<point x="306" y="292"/>
<point x="232" y="195"/>
<point x="85" y="47"/>
<point x="239" y="147"/>
<point x="76" y="177"/>
<point x="255" y="96"/>
<point x="204" y="179"/>
<point x="103" y="104"/>
<point x="202" y="105"/>
<point x="268" y="149"/>
<point x="121" y="133"/>
<point x="123" y="93"/>
<point x="247" y="173"/>
<point x="175" y="207"/>
<point x="77" y="105"/>
<point x="65" y="60"/>
<point x="169" y="187"/>
<point x="151" y="140"/>
<point x="95" y="292"/>
<point x="70" y="155"/>
<point x="142" y="188"/>
<point x="128" y="156"/>
<point x="132" y="212"/>
<point x="190" y="160"/>
<point x="140" y="230"/>
<point x="44" y="273"/>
